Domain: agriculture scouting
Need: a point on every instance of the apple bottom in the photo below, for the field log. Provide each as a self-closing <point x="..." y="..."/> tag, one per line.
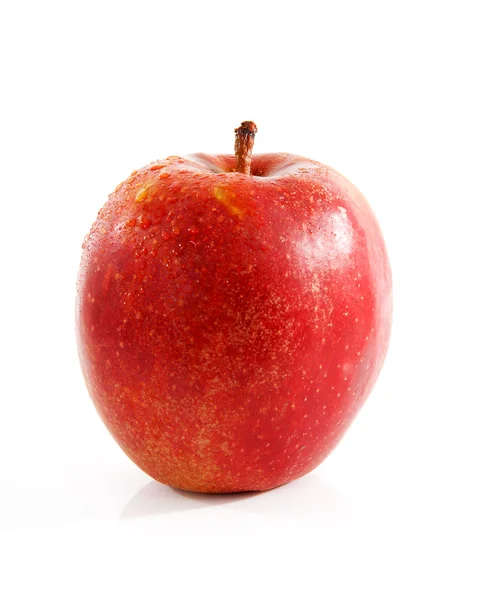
<point x="232" y="444"/>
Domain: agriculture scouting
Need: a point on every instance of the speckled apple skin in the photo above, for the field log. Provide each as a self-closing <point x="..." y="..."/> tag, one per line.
<point x="230" y="326"/>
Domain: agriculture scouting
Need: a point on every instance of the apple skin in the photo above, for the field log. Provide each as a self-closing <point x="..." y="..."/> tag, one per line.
<point x="230" y="326"/>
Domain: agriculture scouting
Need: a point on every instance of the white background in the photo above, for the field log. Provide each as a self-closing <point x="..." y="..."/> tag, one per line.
<point x="394" y="95"/>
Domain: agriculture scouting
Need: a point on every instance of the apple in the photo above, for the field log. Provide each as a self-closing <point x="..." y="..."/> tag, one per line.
<point x="233" y="314"/>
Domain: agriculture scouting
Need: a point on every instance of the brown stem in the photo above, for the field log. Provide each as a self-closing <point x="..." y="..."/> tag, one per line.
<point x="244" y="141"/>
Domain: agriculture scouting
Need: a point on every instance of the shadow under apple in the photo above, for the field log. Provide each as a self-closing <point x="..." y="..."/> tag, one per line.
<point x="308" y="498"/>
<point x="158" y="499"/>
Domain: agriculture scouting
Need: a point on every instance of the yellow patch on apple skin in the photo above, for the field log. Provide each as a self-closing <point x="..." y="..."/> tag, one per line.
<point x="142" y="194"/>
<point x="227" y="199"/>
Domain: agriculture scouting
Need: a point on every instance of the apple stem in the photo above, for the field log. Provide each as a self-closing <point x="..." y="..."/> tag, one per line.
<point x="244" y="141"/>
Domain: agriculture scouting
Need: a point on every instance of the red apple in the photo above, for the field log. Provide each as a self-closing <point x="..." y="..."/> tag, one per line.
<point x="233" y="314"/>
